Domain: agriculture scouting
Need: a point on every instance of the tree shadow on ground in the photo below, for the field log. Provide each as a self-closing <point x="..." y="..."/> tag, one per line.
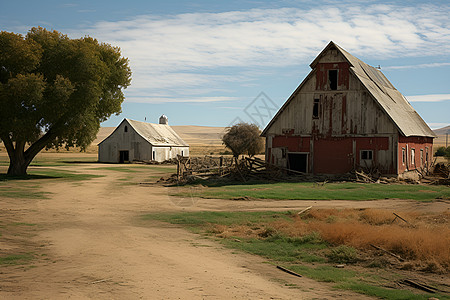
<point x="6" y="177"/>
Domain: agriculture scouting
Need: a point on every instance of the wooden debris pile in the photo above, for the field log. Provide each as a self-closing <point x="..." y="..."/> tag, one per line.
<point x="245" y="169"/>
<point x="442" y="170"/>
<point x="361" y="176"/>
<point x="189" y="168"/>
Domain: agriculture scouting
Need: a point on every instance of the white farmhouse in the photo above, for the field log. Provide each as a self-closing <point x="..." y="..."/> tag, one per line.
<point x="134" y="140"/>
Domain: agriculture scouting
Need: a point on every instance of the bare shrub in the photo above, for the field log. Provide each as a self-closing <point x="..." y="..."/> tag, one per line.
<point x="244" y="138"/>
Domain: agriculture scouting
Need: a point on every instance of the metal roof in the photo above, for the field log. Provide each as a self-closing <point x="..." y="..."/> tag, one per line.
<point x="157" y="134"/>
<point x="390" y="100"/>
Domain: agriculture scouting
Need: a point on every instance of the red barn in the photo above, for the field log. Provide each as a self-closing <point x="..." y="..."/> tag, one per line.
<point x="346" y="116"/>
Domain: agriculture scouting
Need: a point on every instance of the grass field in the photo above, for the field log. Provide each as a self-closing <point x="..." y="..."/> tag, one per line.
<point x="313" y="191"/>
<point x="314" y="244"/>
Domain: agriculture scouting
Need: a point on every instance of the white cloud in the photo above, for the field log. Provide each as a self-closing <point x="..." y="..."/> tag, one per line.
<point x="438" y="125"/>
<point x="150" y="99"/>
<point x="418" y="66"/>
<point x="429" y="98"/>
<point x="182" y="51"/>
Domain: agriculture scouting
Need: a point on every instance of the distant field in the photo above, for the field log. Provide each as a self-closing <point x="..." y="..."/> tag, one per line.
<point x="441" y="136"/>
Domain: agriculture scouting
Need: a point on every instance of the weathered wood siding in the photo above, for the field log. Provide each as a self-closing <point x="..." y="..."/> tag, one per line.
<point x="349" y="121"/>
<point x="342" y="112"/>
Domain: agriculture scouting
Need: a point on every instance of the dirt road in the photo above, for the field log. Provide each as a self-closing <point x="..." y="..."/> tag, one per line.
<point x="91" y="244"/>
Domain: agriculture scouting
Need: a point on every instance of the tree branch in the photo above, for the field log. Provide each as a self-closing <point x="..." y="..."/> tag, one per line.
<point x="37" y="146"/>
<point x="8" y="144"/>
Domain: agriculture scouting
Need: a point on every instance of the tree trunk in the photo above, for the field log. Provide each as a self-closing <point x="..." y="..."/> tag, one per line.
<point x="18" y="162"/>
<point x="19" y="159"/>
<point x="18" y="165"/>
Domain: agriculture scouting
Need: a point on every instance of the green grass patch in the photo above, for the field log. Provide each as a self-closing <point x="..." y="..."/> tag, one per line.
<point x="203" y="218"/>
<point x="22" y="192"/>
<point x="312" y="191"/>
<point x="120" y="169"/>
<point x="16" y="259"/>
<point x="131" y="168"/>
<point x="280" y="248"/>
<point x="62" y="174"/>
<point x="23" y="224"/>
<point x="385" y="293"/>
<point x="49" y="173"/>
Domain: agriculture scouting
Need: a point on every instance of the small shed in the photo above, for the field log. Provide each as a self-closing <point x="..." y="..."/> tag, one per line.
<point x="141" y="141"/>
<point x="345" y="116"/>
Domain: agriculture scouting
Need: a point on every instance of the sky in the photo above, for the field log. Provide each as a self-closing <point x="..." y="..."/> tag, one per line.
<point x="215" y="63"/>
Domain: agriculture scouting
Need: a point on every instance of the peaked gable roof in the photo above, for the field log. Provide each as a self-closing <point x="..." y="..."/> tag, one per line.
<point x="390" y="100"/>
<point x="155" y="134"/>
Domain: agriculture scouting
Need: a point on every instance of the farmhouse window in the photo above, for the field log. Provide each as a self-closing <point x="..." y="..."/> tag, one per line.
<point x="421" y="157"/>
<point x="125" y="129"/>
<point x="366" y="154"/>
<point x="316" y="108"/>
<point x="154" y="155"/>
<point x="333" y="79"/>
<point x="413" y="156"/>
<point x="426" y="155"/>
<point x="403" y="156"/>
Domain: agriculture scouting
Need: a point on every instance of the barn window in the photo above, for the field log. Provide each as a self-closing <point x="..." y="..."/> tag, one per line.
<point x="316" y="108"/>
<point x="413" y="156"/>
<point x="125" y="129"/>
<point x="154" y="155"/>
<point x="366" y="154"/>
<point x="333" y="79"/>
<point x="403" y="156"/>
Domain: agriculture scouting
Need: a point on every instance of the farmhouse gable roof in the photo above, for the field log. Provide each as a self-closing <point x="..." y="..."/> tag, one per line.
<point x="155" y="134"/>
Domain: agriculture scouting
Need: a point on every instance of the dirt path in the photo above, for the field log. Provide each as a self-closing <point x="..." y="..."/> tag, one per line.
<point x="94" y="246"/>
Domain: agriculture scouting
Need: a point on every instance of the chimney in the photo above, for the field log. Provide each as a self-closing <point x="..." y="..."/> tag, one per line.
<point x="163" y="120"/>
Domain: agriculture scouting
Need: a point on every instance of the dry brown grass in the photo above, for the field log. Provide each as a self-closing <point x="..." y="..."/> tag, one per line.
<point x="201" y="150"/>
<point x="424" y="243"/>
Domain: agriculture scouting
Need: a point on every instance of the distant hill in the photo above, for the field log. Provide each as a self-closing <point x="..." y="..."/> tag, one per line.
<point x="442" y="131"/>
<point x="441" y="136"/>
<point x="193" y="135"/>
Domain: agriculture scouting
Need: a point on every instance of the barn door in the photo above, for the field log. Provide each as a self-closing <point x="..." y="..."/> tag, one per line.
<point x="124" y="156"/>
<point x="298" y="162"/>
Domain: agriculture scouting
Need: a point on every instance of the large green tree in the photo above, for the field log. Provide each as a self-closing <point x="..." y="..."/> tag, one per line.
<point x="55" y="92"/>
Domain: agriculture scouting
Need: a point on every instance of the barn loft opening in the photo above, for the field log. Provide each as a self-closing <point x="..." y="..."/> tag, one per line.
<point x="125" y="129"/>
<point x="316" y="109"/>
<point x="333" y="79"/>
